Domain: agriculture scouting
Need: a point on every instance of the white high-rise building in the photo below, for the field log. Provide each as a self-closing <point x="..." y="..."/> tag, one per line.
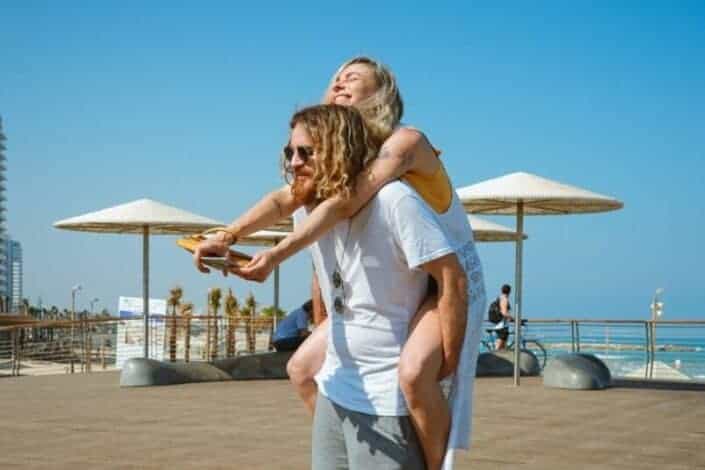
<point x="4" y="267"/>
<point x="13" y="256"/>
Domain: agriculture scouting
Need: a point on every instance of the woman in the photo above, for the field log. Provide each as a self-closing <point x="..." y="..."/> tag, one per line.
<point x="405" y="153"/>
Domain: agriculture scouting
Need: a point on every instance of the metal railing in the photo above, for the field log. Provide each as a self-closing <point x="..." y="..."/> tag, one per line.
<point x="87" y="345"/>
<point x="207" y="338"/>
<point x="646" y="348"/>
<point x="50" y="347"/>
<point x="674" y="349"/>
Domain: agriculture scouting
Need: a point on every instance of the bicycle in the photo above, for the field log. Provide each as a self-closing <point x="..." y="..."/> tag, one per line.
<point x="527" y="343"/>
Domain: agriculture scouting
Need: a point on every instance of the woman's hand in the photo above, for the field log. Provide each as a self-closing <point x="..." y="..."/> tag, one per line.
<point x="259" y="268"/>
<point x="215" y="246"/>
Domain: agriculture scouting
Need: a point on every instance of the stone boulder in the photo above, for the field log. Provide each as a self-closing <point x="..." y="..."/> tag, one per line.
<point x="270" y="365"/>
<point x="501" y="364"/>
<point x="576" y="371"/>
<point x="140" y="372"/>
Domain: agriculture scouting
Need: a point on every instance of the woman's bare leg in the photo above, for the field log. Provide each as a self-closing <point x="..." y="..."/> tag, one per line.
<point x="306" y="362"/>
<point x="419" y="366"/>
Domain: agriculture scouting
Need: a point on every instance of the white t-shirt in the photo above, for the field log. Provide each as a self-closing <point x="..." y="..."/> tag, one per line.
<point x="378" y="254"/>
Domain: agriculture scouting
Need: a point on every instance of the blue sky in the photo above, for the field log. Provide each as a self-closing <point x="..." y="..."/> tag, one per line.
<point x="188" y="104"/>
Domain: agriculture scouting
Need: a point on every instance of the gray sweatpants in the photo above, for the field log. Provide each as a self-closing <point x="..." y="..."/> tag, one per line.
<point x="347" y="440"/>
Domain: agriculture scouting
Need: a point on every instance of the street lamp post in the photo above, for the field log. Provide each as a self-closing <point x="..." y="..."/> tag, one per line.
<point x="74" y="291"/>
<point x="656" y="312"/>
<point x="657" y="304"/>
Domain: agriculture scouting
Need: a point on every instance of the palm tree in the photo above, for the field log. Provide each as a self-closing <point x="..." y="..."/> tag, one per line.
<point x="231" y="311"/>
<point x="175" y="294"/>
<point x="250" y="311"/>
<point x="174" y="300"/>
<point x="214" y="303"/>
<point x="250" y="305"/>
<point x="271" y="311"/>
<point x="186" y="312"/>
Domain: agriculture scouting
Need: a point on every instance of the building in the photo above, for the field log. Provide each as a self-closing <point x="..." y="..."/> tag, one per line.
<point x="4" y="267"/>
<point x="13" y="257"/>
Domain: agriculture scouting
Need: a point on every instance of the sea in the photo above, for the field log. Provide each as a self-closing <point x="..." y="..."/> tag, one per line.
<point x="623" y="346"/>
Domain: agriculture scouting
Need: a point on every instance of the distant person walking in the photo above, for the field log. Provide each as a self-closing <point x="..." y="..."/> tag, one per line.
<point x="292" y="330"/>
<point x="498" y="314"/>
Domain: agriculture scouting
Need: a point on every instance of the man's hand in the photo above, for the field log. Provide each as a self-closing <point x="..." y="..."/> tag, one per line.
<point x="259" y="268"/>
<point x="215" y="246"/>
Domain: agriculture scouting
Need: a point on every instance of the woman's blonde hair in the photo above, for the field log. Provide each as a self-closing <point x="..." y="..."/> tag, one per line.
<point x="342" y="144"/>
<point x="383" y="110"/>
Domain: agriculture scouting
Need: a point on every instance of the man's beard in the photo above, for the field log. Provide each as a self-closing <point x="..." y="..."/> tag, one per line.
<point x="303" y="190"/>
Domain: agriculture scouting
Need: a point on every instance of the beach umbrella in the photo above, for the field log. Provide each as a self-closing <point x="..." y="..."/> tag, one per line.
<point x="144" y="217"/>
<point x="269" y="238"/>
<point x="523" y="194"/>
<point x="485" y="231"/>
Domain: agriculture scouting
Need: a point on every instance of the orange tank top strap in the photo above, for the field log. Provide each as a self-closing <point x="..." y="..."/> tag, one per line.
<point x="434" y="188"/>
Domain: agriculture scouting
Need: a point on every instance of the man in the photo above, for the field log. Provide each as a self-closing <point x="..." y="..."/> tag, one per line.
<point x="292" y="330"/>
<point x="499" y="314"/>
<point x="373" y="272"/>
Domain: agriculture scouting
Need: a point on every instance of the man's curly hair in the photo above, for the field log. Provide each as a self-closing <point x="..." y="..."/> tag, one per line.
<point x="343" y="147"/>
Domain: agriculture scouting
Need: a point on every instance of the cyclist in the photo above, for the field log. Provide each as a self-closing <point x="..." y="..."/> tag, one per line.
<point x="500" y="316"/>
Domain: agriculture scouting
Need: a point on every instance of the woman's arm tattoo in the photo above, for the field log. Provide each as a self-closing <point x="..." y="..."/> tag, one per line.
<point x="407" y="159"/>
<point x="384" y="153"/>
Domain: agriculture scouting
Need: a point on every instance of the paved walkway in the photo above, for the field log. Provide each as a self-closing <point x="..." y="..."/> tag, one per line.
<point x="88" y="422"/>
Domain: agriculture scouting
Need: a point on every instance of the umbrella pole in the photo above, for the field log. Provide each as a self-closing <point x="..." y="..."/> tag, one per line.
<point x="276" y="295"/>
<point x="517" y="291"/>
<point x="145" y="287"/>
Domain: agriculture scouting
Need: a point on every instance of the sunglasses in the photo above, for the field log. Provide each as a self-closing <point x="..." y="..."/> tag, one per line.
<point x="305" y="152"/>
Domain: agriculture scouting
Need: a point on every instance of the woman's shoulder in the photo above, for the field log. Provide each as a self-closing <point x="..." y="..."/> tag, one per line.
<point x="407" y="131"/>
<point x="416" y="137"/>
<point x="413" y="137"/>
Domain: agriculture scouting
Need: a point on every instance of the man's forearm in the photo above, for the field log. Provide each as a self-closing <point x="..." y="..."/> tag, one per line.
<point x="452" y="306"/>
<point x="322" y="219"/>
<point x="453" y="314"/>
<point x="266" y="212"/>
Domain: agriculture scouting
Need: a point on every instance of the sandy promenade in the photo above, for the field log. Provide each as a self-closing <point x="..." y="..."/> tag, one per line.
<point x="88" y="422"/>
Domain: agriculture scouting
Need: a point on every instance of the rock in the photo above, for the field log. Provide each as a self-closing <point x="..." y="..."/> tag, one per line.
<point x="140" y="372"/>
<point x="270" y="365"/>
<point x="576" y="371"/>
<point x="501" y="364"/>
